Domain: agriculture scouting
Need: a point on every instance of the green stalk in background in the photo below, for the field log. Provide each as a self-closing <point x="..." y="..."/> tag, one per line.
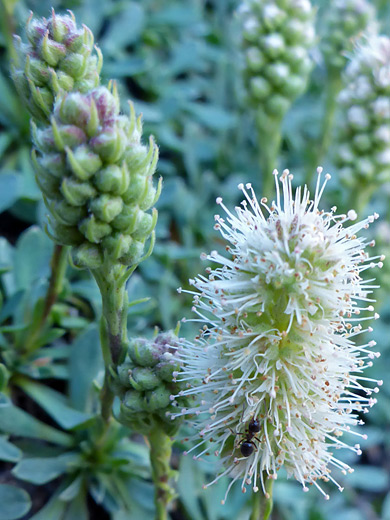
<point x="58" y="267"/>
<point x="262" y="504"/>
<point x="276" y="38"/>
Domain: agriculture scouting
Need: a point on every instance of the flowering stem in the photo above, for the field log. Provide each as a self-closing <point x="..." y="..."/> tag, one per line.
<point x="160" y="455"/>
<point x="262" y="504"/>
<point x="269" y="141"/>
<point x="58" y="266"/>
<point x="113" y="325"/>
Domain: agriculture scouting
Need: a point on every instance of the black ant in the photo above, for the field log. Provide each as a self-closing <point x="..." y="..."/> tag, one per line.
<point x="246" y="444"/>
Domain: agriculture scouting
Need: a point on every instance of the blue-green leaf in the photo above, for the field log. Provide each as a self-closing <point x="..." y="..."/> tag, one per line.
<point x="85" y="363"/>
<point x="124" y="28"/>
<point x="8" y="451"/>
<point x="32" y="257"/>
<point x="55" y="405"/>
<point x="15" y="502"/>
<point x="41" y="470"/>
<point x="15" y="421"/>
<point x="9" y="190"/>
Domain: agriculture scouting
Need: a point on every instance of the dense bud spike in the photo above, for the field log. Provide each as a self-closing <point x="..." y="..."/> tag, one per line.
<point x="276" y="41"/>
<point x="364" y="134"/>
<point x="345" y="20"/>
<point x="146" y="382"/>
<point x="59" y="57"/>
<point x="93" y="170"/>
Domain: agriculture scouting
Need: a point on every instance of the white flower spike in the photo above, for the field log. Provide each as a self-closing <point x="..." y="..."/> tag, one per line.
<point x="275" y="373"/>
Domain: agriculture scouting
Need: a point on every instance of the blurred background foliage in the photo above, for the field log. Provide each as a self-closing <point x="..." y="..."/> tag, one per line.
<point x="180" y="64"/>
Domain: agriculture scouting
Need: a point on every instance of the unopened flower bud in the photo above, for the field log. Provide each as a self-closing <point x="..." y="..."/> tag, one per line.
<point x="344" y="22"/>
<point x="58" y="57"/>
<point x="150" y="368"/>
<point x="142" y="378"/>
<point x="364" y="133"/>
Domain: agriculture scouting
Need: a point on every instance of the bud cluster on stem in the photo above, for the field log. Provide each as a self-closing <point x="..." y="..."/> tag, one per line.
<point x="276" y="39"/>
<point x="363" y="151"/>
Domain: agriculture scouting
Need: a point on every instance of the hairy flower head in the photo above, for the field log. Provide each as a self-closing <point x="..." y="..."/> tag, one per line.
<point x="280" y="316"/>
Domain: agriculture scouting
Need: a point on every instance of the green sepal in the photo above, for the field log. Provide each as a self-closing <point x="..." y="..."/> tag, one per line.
<point x="77" y="193"/>
<point x="83" y="163"/>
<point x="87" y="256"/>
<point x="94" y="230"/>
<point x="106" y="207"/>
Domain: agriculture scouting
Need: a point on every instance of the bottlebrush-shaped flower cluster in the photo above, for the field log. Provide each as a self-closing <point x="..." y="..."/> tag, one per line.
<point x="281" y="316"/>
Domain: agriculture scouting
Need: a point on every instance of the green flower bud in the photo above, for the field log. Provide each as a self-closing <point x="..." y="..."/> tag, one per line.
<point x="254" y="59"/>
<point x="134" y="253"/>
<point x="344" y="21"/>
<point x="150" y="367"/>
<point x="158" y="398"/>
<point x="277" y="38"/>
<point x="277" y="106"/>
<point x="146" y="225"/>
<point x="260" y="88"/>
<point x="143" y="353"/>
<point x="106" y="208"/>
<point x="133" y="401"/>
<point x="65" y="235"/>
<point x="94" y="230"/>
<point x="76" y="193"/>
<point x="124" y="371"/>
<point x="87" y="256"/>
<point x="90" y="164"/>
<point x="57" y="55"/>
<point x="67" y="214"/>
<point x="113" y="179"/>
<point x="142" y="378"/>
<point x="83" y="163"/>
<point x="362" y="143"/>
<point x="118" y="245"/>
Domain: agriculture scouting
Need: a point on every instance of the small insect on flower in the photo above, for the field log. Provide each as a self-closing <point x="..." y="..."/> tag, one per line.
<point x="280" y="316"/>
<point x="247" y="444"/>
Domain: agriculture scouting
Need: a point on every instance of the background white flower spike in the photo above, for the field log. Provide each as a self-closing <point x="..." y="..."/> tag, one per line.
<point x="280" y="317"/>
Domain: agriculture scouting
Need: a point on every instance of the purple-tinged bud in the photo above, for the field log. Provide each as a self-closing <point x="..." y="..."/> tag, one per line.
<point x="109" y="144"/>
<point x="51" y="51"/>
<point x="106" y="103"/>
